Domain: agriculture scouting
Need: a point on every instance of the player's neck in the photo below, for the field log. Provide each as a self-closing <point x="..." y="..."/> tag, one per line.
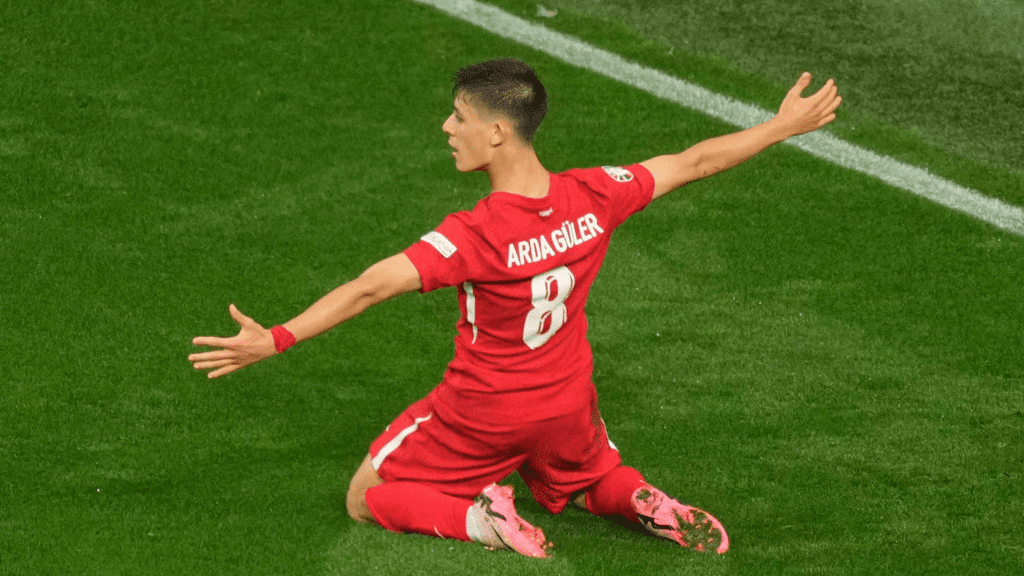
<point x="520" y="173"/>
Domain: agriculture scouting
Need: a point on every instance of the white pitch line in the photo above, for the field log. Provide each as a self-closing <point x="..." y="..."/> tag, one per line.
<point x="821" y="144"/>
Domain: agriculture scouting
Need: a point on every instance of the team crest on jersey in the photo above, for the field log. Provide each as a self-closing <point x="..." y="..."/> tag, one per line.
<point x="618" y="174"/>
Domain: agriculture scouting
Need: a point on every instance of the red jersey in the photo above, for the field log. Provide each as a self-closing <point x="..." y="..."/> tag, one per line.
<point x="523" y="268"/>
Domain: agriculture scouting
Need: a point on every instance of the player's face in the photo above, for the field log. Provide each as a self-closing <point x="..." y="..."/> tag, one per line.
<point x="469" y="135"/>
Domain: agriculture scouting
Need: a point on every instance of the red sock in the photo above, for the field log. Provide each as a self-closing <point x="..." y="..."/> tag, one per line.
<point x="412" y="507"/>
<point x="611" y="495"/>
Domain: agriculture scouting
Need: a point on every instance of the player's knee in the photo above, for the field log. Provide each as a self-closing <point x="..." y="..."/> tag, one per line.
<point x="355" y="504"/>
<point x="355" y="501"/>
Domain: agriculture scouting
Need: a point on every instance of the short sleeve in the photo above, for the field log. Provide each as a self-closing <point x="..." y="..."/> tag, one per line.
<point x="442" y="256"/>
<point x="624" y="191"/>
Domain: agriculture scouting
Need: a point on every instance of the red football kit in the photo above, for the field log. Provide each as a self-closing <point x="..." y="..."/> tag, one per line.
<point x="518" y="395"/>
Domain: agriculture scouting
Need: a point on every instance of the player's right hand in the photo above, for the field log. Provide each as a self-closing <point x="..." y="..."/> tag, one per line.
<point x="801" y="115"/>
<point x="252" y="344"/>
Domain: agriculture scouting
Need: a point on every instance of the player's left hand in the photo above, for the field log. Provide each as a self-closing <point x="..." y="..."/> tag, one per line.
<point x="252" y="344"/>
<point x="799" y="115"/>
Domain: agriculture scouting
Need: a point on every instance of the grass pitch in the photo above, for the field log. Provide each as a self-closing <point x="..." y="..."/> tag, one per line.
<point x="829" y="365"/>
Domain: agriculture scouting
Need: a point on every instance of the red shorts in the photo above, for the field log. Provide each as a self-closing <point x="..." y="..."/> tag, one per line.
<point x="430" y="444"/>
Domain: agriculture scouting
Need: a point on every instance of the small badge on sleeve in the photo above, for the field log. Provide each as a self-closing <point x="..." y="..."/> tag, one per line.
<point x="442" y="244"/>
<point x="618" y="174"/>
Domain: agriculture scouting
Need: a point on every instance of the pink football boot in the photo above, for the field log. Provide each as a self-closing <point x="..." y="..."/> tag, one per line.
<point x="690" y="527"/>
<point x="499" y="526"/>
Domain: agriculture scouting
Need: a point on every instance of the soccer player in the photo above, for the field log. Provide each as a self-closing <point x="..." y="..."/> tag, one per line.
<point x="518" y="395"/>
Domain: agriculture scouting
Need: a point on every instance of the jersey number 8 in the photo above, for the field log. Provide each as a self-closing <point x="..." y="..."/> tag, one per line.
<point x="549" y="313"/>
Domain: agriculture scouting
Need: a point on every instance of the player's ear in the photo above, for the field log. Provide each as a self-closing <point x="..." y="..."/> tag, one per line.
<point x="501" y="131"/>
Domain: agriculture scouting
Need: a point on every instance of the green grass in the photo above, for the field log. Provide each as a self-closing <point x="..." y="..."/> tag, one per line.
<point x="829" y="365"/>
<point x="931" y="83"/>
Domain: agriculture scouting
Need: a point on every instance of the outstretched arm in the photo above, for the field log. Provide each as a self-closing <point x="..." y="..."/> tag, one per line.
<point x="797" y="115"/>
<point x="385" y="279"/>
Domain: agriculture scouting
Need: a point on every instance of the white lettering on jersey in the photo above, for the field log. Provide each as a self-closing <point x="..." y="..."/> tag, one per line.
<point x="618" y="174"/>
<point x="442" y="244"/>
<point x="568" y="235"/>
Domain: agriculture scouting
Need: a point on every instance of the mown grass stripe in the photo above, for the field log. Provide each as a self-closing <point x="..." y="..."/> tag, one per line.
<point x="820" y="144"/>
